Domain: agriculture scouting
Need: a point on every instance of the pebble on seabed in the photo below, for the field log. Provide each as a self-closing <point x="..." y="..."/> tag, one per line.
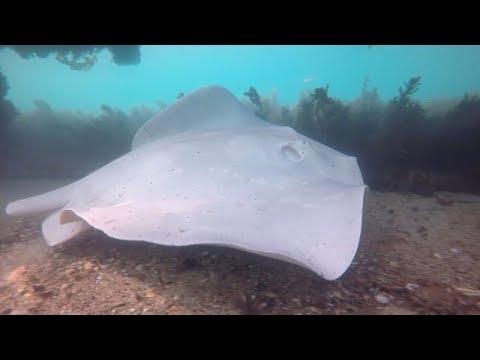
<point x="382" y="299"/>
<point x="140" y="267"/>
<point x="412" y="287"/>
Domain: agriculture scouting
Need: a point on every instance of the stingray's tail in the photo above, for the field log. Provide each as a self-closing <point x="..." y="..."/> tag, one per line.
<point x="49" y="201"/>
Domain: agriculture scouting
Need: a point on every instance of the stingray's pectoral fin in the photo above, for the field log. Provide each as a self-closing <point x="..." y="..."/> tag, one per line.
<point x="61" y="226"/>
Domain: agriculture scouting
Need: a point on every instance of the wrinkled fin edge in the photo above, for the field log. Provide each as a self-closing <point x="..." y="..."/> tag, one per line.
<point x="62" y="226"/>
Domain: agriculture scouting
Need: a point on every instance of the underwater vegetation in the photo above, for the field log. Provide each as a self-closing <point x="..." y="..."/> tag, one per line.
<point x="401" y="144"/>
<point x="7" y="110"/>
<point x="45" y="142"/>
<point x="330" y="118"/>
<point x="254" y="97"/>
<point x="79" y="57"/>
<point x="7" y="115"/>
<point x="461" y="131"/>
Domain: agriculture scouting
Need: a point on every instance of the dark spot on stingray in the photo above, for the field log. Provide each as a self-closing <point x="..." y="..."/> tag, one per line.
<point x="111" y="221"/>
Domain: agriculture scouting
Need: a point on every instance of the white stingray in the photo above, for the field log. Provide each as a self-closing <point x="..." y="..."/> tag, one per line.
<point x="208" y="171"/>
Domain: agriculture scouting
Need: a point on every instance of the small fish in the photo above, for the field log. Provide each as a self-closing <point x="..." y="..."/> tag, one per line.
<point x="179" y="95"/>
<point x="307" y="80"/>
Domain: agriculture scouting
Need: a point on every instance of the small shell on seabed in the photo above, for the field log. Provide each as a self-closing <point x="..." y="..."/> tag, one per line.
<point x="412" y="287"/>
<point x="382" y="299"/>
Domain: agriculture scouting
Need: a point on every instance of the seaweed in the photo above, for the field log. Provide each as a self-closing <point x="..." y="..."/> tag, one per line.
<point x="88" y="141"/>
<point x="405" y="117"/>
<point x="121" y="54"/>
<point x="367" y="113"/>
<point x="7" y="109"/>
<point x="254" y="97"/>
<point x="303" y="114"/>
<point x="3" y="86"/>
<point x="8" y="112"/>
<point x="405" y="97"/>
<point x="329" y="121"/>
<point x="461" y="134"/>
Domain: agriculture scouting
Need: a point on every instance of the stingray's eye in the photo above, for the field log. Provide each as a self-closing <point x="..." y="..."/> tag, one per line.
<point x="292" y="153"/>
